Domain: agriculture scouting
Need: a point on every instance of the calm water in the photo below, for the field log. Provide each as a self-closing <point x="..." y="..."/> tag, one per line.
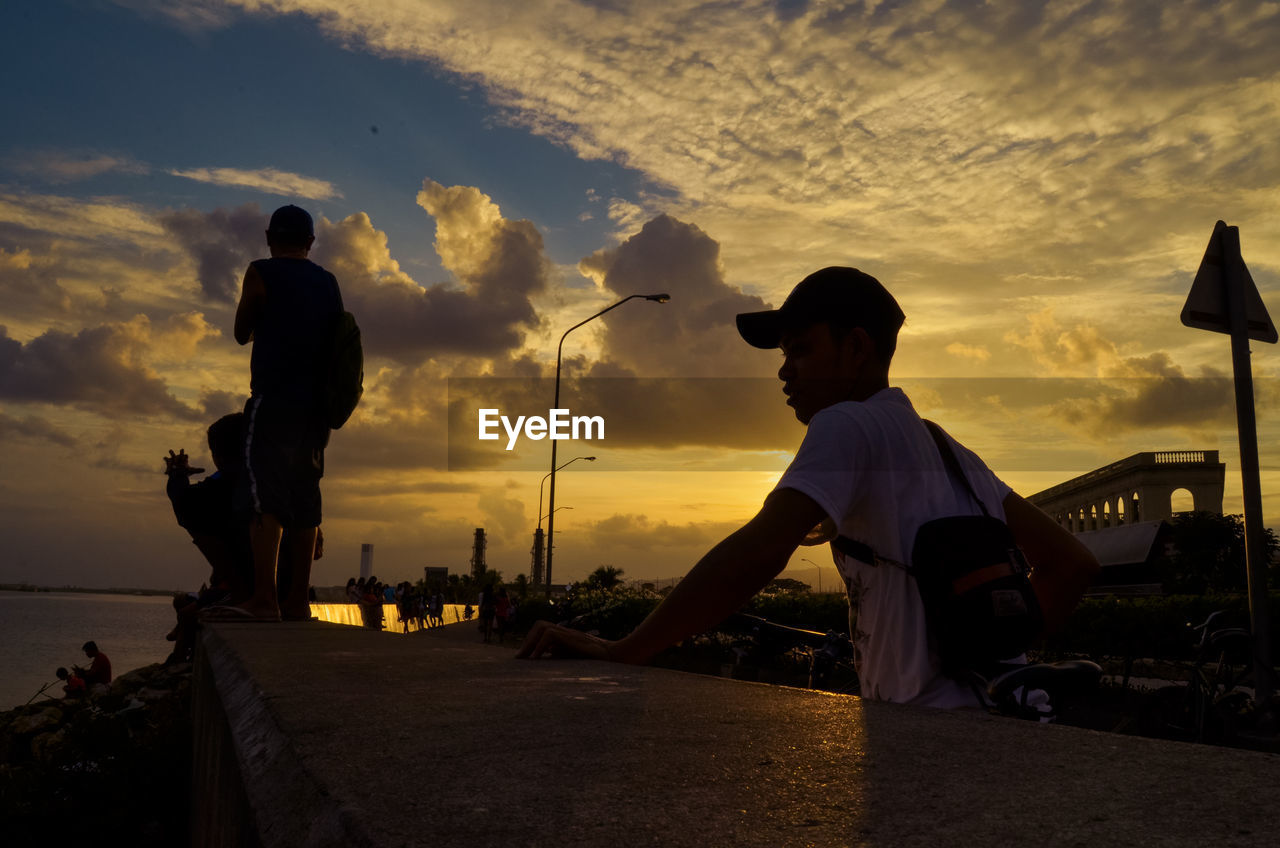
<point x="40" y="631"/>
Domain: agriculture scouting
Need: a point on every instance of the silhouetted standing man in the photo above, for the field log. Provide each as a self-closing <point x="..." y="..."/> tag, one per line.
<point x="289" y="307"/>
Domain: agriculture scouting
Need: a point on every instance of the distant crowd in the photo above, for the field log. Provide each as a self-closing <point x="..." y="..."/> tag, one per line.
<point x="414" y="604"/>
<point x="424" y="606"/>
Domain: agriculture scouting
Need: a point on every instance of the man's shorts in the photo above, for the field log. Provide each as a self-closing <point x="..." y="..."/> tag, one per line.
<point x="284" y="453"/>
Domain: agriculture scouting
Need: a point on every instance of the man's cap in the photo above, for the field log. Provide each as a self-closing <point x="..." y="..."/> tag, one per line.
<point x="844" y="296"/>
<point x="291" y="221"/>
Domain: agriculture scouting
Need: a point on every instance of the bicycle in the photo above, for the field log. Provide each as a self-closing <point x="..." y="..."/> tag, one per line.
<point x="1005" y="690"/>
<point x="824" y="659"/>
<point x="1217" y="700"/>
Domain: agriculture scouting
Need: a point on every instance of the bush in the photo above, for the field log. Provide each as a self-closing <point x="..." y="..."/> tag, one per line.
<point x="1156" y="627"/>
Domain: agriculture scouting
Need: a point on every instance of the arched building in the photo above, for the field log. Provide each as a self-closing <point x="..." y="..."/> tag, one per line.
<point x="1136" y="489"/>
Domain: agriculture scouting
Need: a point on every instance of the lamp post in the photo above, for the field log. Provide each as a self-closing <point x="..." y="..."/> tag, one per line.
<point x="544" y="480"/>
<point x="557" y="509"/>
<point x="815" y="565"/>
<point x="551" y="499"/>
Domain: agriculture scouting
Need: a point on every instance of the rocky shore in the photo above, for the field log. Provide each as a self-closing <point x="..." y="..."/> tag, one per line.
<point x="113" y="765"/>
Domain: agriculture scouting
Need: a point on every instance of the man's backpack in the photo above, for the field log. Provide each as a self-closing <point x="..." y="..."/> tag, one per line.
<point x="973" y="580"/>
<point x="345" y="380"/>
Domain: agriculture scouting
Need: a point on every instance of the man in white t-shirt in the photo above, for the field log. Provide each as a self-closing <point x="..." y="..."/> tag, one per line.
<point x="868" y="470"/>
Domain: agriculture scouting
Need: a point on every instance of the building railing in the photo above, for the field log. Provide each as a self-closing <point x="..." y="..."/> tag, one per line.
<point x="1138" y="460"/>
<point x="1192" y="457"/>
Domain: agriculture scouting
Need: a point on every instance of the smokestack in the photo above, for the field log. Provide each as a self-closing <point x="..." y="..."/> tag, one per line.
<point x="478" y="567"/>
<point x="366" y="560"/>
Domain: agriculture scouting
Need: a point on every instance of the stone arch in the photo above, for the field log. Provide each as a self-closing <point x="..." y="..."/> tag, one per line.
<point x="1181" y="499"/>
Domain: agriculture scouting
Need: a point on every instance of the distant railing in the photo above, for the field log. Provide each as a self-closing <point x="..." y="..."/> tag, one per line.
<point x="1136" y="461"/>
<point x="1163" y="457"/>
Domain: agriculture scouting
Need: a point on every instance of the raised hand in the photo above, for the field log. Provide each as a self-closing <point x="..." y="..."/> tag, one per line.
<point x="177" y="464"/>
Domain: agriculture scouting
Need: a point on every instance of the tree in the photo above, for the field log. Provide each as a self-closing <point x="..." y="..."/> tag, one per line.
<point x="605" y="577"/>
<point x="521" y="584"/>
<point x="1209" y="555"/>
<point x="785" y="586"/>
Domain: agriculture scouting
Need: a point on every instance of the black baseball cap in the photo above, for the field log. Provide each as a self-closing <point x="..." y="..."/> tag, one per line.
<point x="844" y="296"/>
<point x="291" y="221"/>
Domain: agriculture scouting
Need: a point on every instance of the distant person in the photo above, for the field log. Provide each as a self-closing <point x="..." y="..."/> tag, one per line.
<point x="868" y="470"/>
<point x="502" y="613"/>
<point x="99" y="671"/>
<point x="435" y="609"/>
<point x="488" y="610"/>
<point x="289" y="308"/>
<point x="75" y="686"/>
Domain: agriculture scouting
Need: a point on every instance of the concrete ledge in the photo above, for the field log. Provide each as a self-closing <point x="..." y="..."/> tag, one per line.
<point x="251" y="783"/>
<point x="340" y="736"/>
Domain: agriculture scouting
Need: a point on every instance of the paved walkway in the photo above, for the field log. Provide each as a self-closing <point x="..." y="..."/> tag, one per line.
<point x="350" y="737"/>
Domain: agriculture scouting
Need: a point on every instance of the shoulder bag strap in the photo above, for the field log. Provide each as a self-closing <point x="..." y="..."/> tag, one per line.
<point x="865" y="553"/>
<point x="952" y="463"/>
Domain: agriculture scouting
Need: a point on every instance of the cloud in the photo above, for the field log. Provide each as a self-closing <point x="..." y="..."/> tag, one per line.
<point x="266" y="180"/>
<point x="105" y="221"/>
<point x="924" y="142"/>
<point x="102" y="368"/>
<point x="29" y="286"/>
<point x="1131" y="393"/>
<point x="500" y="264"/>
<point x="504" y="513"/>
<point x="63" y="167"/>
<point x="639" y="532"/>
<point x="34" y="427"/>
<point x="694" y="334"/>
<point x="221" y="242"/>
<point x="960" y="350"/>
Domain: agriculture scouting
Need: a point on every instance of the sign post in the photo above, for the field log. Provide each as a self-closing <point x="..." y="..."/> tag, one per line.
<point x="1224" y="299"/>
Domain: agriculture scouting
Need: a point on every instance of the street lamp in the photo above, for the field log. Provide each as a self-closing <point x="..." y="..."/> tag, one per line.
<point x="815" y="565"/>
<point x="551" y="500"/>
<point x="544" y="480"/>
<point x="557" y="509"/>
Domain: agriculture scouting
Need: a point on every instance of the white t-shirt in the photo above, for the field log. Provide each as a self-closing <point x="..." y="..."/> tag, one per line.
<point x="875" y="470"/>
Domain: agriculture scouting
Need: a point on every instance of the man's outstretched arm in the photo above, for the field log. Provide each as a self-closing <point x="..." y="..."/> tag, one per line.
<point x="1061" y="566"/>
<point x="721" y="582"/>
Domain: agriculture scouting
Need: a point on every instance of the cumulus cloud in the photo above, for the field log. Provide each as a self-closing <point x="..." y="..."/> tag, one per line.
<point x="694" y="334"/>
<point x="931" y="139"/>
<point x="1130" y="393"/>
<point x="266" y="180"/>
<point x="499" y="263"/>
<point x="104" y="369"/>
<point x="221" y="242"/>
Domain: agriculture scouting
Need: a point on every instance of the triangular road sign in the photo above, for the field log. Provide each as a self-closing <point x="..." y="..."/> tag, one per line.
<point x="1206" y="306"/>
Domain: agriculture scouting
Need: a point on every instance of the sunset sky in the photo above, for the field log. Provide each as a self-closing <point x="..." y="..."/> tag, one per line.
<point x="1035" y="182"/>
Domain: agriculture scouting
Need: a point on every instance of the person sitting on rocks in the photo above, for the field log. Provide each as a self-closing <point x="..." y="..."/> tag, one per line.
<point x="99" y="671"/>
<point x="75" y="686"/>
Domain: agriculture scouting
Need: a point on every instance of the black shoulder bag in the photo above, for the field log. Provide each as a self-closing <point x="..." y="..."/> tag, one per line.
<point x="973" y="580"/>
